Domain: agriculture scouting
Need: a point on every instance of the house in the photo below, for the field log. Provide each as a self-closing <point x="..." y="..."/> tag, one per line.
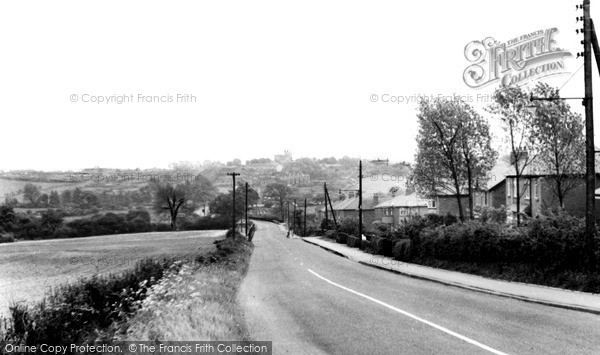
<point x="537" y="190"/>
<point x="348" y="208"/>
<point x="446" y="202"/>
<point x="538" y="194"/>
<point x="401" y="208"/>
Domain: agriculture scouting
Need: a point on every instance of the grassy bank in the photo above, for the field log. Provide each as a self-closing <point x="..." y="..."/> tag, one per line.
<point x="198" y="301"/>
<point x="167" y="300"/>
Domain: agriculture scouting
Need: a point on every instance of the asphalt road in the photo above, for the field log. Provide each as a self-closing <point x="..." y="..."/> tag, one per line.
<point x="309" y="301"/>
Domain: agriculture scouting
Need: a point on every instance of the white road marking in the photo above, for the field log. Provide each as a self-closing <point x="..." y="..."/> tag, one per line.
<point x="438" y="327"/>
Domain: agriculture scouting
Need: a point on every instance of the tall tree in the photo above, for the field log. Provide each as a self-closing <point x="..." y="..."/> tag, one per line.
<point x="198" y="191"/>
<point x="169" y="200"/>
<point x="439" y="161"/>
<point x="54" y="198"/>
<point x="510" y="105"/>
<point x="278" y="192"/>
<point x="476" y="147"/>
<point x="31" y="193"/>
<point x="560" y="133"/>
<point x="223" y="205"/>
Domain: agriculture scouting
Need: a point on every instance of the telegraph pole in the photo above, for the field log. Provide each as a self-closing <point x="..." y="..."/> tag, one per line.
<point x="288" y="215"/>
<point x="233" y="175"/>
<point x="246" y="209"/>
<point x="360" y="199"/>
<point x="304" y="232"/>
<point x="590" y="215"/>
<point x="294" y="218"/>
<point x="326" y="212"/>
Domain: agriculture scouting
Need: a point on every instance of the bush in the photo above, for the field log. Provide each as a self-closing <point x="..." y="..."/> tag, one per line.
<point x="402" y="250"/>
<point x="381" y="246"/>
<point x="331" y="234"/>
<point x="205" y="223"/>
<point x="342" y="238"/>
<point x="327" y="224"/>
<point x="365" y="245"/>
<point x="71" y="312"/>
<point x="7" y="238"/>
<point x="450" y="219"/>
<point x="381" y="227"/>
<point x="354" y="242"/>
<point x="490" y="214"/>
<point x="349" y="226"/>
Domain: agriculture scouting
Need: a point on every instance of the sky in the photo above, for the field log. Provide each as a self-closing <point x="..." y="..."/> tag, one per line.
<point x="253" y="77"/>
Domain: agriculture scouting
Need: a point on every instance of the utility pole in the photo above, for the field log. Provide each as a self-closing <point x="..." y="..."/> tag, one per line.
<point x="288" y="215"/>
<point x="590" y="215"/>
<point x="233" y="175"/>
<point x="326" y="212"/>
<point x="360" y="231"/>
<point x="304" y="232"/>
<point x="246" y="209"/>
<point x="294" y="218"/>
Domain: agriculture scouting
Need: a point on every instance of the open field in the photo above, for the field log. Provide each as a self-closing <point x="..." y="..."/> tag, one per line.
<point x="28" y="269"/>
<point x="13" y="187"/>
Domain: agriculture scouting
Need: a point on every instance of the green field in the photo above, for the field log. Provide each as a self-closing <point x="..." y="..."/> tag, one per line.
<point x="29" y="269"/>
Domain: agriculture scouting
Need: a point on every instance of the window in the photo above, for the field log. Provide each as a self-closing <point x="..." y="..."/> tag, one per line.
<point x="514" y="188"/>
<point x="431" y="203"/>
<point x="526" y="190"/>
<point x="536" y="190"/>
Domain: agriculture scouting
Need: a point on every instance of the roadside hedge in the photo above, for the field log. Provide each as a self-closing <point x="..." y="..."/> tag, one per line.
<point x="354" y="242"/>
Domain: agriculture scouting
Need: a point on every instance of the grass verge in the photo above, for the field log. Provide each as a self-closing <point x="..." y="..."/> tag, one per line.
<point x="197" y="301"/>
<point x="156" y="300"/>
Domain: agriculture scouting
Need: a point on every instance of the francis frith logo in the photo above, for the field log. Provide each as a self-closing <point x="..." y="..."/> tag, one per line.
<point x="517" y="61"/>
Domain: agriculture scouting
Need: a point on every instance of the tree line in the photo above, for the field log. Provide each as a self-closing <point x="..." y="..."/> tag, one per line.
<point x="455" y="152"/>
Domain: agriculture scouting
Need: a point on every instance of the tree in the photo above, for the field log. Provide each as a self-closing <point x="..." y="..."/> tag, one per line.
<point x="510" y="105"/>
<point x="560" y="134"/>
<point x="169" y="200"/>
<point x="439" y="158"/>
<point x="7" y="218"/>
<point x="222" y="205"/>
<point x="31" y="193"/>
<point x="479" y="157"/>
<point x="278" y="192"/>
<point x="43" y="200"/>
<point x="54" y="199"/>
<point x="51" y="220"/>
<point x="66" y="197"/>
<point x="253" y="196"/>
<point x="198" y="191"/>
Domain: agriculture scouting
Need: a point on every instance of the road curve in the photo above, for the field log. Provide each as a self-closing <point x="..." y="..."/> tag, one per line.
<point x="309" y="301"/>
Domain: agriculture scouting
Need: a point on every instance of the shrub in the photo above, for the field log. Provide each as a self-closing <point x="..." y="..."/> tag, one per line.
<point x="342" y="238"/>
<point x="71" y="312"/>
<point x="7" y="238"/>
<point x="331" y="234"/>
<point x="327" y="224"/>
<point x="490" y="214"/>
<point x="450" y="219"/>
<point x="205" y="223"/>
<point x="381" y="246"/>
<point x="381" y="227"/>
<point x="365" y="245"/>
<point x="354" y="242"/>
<point x="402" y="250"/>
<point x="349" y="226"/>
